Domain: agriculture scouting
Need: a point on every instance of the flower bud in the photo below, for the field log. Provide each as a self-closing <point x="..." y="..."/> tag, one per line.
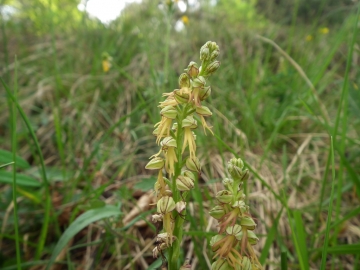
<point x="214" y="240"/>
<point x="199" y="82"/>
<point x="204" y="93"/>
<point x="247" y="223"/>
<point x="235" y="167"/>
<point x="184" y="183"/>
<point x="221" y="264"/>
<point x="189" y="174"/>
<point x="204" y="53"/>
<point x="156" y="163"/>
<point x="165" y="205"/>
<point x="245" y="175"/>
<point x="192" y="69"/>
<point x="180" y="206"/>
<point x="181" y="96"/>
<point x="184" y="80"/>
<point x="190" y="122"/>
<point x="217" y="212"/>
<point x="241" y="205"/>
<point x="213" y="46"/>
<point x="203" y="110"/>
<point x="167" y="192"/>
<point x="237" y="162"/>
<point x="168" y="142"/>
<point x="252" y="238"/>
<point x="214" y="54"/>
<point x="169" y="112"/>
<point x="224" y="196"/>
<point x="214" y="66"/>
<point x="233" y="230"/>
<point x="228" y="182"/>
<point x="193" y="164"/>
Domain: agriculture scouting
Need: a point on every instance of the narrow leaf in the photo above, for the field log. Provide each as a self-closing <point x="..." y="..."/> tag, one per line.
<point x="21" y="179"/>
<point x="6" y="157"/>
<point x="80" y="223"/>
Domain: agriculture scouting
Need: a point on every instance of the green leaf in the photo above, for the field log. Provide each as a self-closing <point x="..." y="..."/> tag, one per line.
<point x="7" y="157"/>
<point x="156" y="264"/>
<point x="80" y="223"/>
<point x="146" y="184"/>
<point x="53" y="174"/>
<point x="21" y="179"/>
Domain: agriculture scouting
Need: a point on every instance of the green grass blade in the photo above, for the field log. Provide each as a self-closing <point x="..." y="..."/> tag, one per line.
<point x="328" y="220"/>
<point x="270" y="239"/>
<point x="283" y="260"/>
<point x="80" y="223"/>
<point x="6" y="164"/>
<point x="344" y="249"/>
<point x="304" y="265"/>
<point x="45" y="225"/>
<point x="13" y="125"/>
<point x="301" y="236"/>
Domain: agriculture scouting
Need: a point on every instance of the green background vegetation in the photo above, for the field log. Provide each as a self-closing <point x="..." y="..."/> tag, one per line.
<point x="80" y="138"/>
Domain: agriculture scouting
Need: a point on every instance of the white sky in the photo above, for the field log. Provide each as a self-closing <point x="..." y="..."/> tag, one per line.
<point x="105" y="10"/>
<point x="108" y="10"/>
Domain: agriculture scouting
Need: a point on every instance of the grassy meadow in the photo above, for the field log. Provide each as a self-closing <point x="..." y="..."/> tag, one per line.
<point x="75" y="138"/>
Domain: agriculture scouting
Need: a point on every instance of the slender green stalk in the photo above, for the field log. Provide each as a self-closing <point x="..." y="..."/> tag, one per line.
<point x="328" y="220"/>
<point x="14" y="149"/>
<point x="46" y="219"/>
<point x="58" y="83"/>
<point x="174" y="250"/>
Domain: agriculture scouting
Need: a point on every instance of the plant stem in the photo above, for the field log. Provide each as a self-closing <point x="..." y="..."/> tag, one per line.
<point x="174" y="250"/>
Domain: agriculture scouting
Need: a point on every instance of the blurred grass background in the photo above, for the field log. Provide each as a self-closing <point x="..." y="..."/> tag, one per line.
<point x="289" y="80"/>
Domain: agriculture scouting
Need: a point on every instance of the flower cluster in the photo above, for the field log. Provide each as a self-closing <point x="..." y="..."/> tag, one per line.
<point x="236" y="226"/>
<point x="180" y="113"/>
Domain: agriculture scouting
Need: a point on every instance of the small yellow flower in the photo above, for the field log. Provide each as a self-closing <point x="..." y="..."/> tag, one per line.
<point x="189" y="140"/>
<point x="324" y="30"/>
<point x="168" y="147"/>
<point x="170" y="160"/>
<point x="309" y="38"/>
<point x="106" y="61"/>
<point x="163" y="128"/>
<point x="106" y="65"/>
<point x="185" y="19"/>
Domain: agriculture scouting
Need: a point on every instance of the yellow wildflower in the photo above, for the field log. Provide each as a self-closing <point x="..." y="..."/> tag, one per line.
<point x="106" y="61"/>
<point x="324" y="30"/>
<point x="309" y="38"/>
<point x="185" y="19"/>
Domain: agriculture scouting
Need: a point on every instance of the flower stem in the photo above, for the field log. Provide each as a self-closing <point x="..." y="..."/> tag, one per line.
<point x="174" y="250"/>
